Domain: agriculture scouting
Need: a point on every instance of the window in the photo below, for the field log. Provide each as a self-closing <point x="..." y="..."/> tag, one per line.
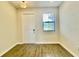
<point x="48" y="22"/>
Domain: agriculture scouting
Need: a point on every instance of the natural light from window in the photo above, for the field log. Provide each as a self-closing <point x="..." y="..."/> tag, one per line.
<point x="48" y="22"/>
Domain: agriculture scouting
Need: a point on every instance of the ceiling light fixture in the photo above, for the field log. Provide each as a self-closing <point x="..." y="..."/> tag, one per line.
<point x="23" y="4"/>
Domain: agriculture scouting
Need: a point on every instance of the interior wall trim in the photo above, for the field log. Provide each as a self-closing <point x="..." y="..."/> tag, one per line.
<point x="8" y="49"/>
<point x="68" y="50"/>
<point x="42" y="43"/>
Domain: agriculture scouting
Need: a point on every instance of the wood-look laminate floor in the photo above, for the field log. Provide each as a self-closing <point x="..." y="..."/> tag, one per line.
<point x="37" y="50"/>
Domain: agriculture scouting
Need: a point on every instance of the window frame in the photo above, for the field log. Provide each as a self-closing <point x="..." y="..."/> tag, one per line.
<point x="54" y="22"/>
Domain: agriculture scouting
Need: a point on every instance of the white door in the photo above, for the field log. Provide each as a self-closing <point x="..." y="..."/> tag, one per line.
<point x="29" y="28"/>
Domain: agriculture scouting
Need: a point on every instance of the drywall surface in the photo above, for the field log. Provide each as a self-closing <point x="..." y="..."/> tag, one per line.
<point x="8" y="27"/>
<point x="69" y="26"/>
<point x="41" y="36"/>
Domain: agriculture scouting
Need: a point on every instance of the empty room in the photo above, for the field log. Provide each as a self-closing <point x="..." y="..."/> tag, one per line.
<point x="39" y="28"/>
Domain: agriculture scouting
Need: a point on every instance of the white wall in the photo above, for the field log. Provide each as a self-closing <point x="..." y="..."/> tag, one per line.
<point x="44" y="37"/>
<point x="8" y="27"/>
<point x="69" y="26"/>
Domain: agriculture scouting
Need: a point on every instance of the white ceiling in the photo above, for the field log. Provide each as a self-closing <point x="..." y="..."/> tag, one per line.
<point x="38" y="3"/>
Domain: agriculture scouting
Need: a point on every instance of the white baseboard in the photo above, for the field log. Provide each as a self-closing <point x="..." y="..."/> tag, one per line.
<point x="68" y="50"/>
<point x="55" y="43"/>
<point x="39" y="43"/>
<point x="42" y="43"/>
<point x="27" y="43"/>
<point x="8" y="49"/>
